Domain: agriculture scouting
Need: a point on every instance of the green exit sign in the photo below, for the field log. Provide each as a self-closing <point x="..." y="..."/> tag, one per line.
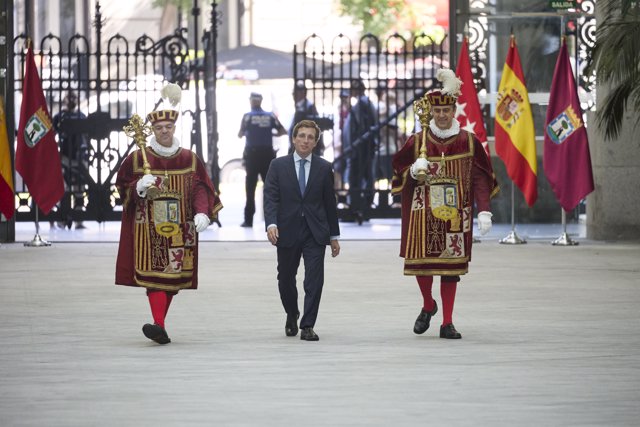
<point x="558" y="5"/>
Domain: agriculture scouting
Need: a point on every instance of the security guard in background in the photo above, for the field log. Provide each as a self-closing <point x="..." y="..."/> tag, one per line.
<point x="257" y="127"/>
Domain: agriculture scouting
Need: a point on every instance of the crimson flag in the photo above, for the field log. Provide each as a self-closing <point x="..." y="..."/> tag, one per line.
<point x="567" y="161"/>
<point x="37" y="158"/>
<point x="468" y="110"/>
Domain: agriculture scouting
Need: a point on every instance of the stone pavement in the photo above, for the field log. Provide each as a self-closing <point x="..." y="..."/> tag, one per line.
<point x="550" y="338"/>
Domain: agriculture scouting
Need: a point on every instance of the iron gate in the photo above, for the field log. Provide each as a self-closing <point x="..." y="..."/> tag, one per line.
<point x="111" y="80"/>
<point x="393" y="73"/>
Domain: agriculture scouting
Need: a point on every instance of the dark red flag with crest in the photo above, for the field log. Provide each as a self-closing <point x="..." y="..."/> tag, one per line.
<point x="37" y="158"/>
<point x="567" y="161"/>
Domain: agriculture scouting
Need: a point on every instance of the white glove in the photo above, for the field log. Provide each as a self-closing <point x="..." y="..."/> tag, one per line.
<point x="144" y="183"/>
<point x="202" y="222"/>
<point x="484" y="222"/>
<point x="421" y="164"/>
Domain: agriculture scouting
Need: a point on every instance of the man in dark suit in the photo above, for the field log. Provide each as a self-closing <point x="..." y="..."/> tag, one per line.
<point x="362" y="118"/>
<point x="302" y="219"/>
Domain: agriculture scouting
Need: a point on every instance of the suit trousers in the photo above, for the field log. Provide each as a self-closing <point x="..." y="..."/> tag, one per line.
<point x="361" y="182"/>
<point x="288" y="263"/>
<point x="257" y="161"/>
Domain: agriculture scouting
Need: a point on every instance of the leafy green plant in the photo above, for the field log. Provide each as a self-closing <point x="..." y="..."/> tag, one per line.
<point x="615" y="58"/>
<point x="183" y="4"/>
<point x="376" y="16"/>
<point x="412" y="19"/>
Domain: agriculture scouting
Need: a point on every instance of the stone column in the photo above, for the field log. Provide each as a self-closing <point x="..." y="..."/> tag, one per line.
<point x="613" y="208"/>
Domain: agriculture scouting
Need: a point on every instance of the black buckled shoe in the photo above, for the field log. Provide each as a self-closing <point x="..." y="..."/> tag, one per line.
<point x="307" y="334"/>
<point x="291" y="326"/>
<point x="156" y="333"/>
<point x="424" y="319"/>
<point x="449" y="332"/>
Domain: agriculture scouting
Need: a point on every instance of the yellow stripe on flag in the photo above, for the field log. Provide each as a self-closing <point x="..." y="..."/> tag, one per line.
<point x="7" y="203"/>
<point x="514" y="131"/>
<point x="518" y="123"/>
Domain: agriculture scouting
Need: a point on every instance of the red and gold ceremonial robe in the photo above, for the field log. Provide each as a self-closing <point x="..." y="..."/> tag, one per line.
<point x="158" y="241"/>
<point x="437" y="215"/>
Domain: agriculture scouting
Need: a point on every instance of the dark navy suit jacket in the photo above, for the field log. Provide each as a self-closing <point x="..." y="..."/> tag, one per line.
<point x="284" y="205"/>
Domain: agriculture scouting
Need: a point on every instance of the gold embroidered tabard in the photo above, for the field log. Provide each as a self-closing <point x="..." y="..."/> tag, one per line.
<point x="439" y="234"/>
<point x="437" y="209"/>
<point x="164" y="239"/>
<point x="158" y="246"/>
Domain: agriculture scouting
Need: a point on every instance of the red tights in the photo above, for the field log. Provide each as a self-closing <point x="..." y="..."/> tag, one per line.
<point x="447" y="293"/>
<point x="159" y="302"/>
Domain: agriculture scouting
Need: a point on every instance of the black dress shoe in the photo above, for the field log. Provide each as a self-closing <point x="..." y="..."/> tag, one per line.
<point x="359" y="217"/>
<point x="424" y="319"/>
<point x="449" y="332"/>
<point x="246" y="224"/>
<point x="156" y="333"/>
<point x="307" y="334"/>
<point x="291" y="326"/>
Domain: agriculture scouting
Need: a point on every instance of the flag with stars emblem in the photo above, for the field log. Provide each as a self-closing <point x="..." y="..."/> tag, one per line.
<point x="468" y="110"/>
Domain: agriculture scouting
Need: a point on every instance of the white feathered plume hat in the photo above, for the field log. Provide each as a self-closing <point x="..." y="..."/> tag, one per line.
<point x="450" y="91"/>
<point x="172" y="94"/>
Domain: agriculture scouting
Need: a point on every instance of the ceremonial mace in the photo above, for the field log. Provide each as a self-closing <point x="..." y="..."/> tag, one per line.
<point x="422" y="109"/>
<point x="139" y="131"/>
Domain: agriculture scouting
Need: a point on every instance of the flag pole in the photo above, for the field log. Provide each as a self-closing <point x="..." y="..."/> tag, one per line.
<point x="512" y="238"/>
<point x="474" y="238"/>
<point x="564" y="239"/>
<point x="37" y="241"/>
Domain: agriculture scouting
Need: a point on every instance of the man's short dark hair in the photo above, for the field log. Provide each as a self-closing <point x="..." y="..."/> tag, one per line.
<point x="357" y="84"/>
<point x="307" y="124"/>
<point x="300" y="86"/>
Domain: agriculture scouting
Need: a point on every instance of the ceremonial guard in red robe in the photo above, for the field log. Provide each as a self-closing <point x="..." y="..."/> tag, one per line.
<point x="443" y="174"/>
<point x="167" y="199"/>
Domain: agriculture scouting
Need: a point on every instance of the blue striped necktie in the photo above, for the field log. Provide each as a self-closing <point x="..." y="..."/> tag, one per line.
<point x="301" y="176"/>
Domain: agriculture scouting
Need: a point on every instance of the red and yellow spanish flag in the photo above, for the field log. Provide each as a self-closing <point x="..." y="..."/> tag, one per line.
<point x="514" y="131"/>
<point x="7" y="200"/>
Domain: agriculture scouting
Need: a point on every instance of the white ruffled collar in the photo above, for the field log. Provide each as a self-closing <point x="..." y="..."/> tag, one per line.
<point x="163" y="151"/>
<point x="446" y="133"/>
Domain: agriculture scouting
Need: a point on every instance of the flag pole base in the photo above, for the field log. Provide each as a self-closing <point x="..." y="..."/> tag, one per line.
<point x="564" y="240"/>
<point x="37" y="242"/>
<point x="512" y="239"/>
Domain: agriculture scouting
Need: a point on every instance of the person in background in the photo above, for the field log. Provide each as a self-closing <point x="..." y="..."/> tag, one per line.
<point x="74" y="156"/>
<point x="390" y="135"/>
<point x="301" y="219"/>
<point x="344" y="108"/>
<point x="257" y="127"/>
<point x="305" y="110"/>
<point x="362" y="145"/>
<point x="443" y="174"/>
